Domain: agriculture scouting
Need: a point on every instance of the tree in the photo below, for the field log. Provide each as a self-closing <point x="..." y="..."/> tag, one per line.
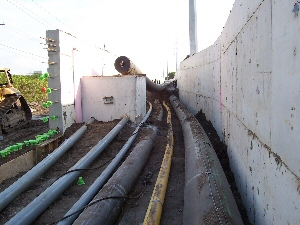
<point x="171" y="75"/>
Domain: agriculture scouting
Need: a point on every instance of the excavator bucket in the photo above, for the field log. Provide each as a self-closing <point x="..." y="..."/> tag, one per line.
<point x="7" y="103"/>
<point x="14" y="112"/>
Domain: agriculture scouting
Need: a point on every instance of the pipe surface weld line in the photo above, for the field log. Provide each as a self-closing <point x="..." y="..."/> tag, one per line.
<point x="123" y="192"/>
<point x="199" y="174"/>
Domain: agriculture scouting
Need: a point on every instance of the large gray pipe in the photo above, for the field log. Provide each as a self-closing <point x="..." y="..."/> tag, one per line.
<point x="207" y="194"/>
<point x="126" y="67"/>
<point x="100" y="181"/>
<point x="10" y="193"/>
<point x="28" y="214"/>
<point x="119" y="185"/>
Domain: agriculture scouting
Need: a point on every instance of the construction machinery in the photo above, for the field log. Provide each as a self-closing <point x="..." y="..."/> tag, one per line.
<point x="14" y="110"/>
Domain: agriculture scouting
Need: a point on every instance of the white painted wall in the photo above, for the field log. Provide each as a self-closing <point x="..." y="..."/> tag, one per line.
<point x="247" y="84"/>
<point x="129" y="98"/>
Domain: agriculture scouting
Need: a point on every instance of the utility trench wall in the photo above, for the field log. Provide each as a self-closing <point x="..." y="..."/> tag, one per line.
<point x="248" y="85"/>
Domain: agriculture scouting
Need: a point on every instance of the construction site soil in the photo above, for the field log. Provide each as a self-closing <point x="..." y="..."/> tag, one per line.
<point x="134" y="209"/>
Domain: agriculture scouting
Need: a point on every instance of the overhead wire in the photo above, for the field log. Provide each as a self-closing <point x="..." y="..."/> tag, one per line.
<point x="76" y="32"/>
<point x="28" y="10"/>
<point x="23" y="51"/>
<point x="17" y="53"/>
<point x="16" y="39"/>
<point x="40" y="20"/>
<point x="20" y="40"/>
<point x="53" y="16"/>
<point x="21" y="33"/>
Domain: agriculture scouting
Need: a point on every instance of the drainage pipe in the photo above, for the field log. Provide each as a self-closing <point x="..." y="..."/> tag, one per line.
<point x="118" y="186"/>
<point x="207" y="195"/>
<point x="155" y="207"/>
<point x="10" y="193"/>
<point x="100" y="181"/>
<point x="28" y="214"/>
<point x="126" y="67"/>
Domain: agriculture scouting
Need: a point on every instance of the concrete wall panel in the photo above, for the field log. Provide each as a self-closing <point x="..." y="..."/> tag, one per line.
<point x="254" y="73"/>
<point x="247" y="84"/>
<point x="228" y="78"/>
<point x="286" y="89"/>
<point x="217" y="116"/>
<point x="240" y="14"/>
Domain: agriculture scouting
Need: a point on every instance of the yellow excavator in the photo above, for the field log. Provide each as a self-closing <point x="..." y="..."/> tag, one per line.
<point x="14" y="110"/>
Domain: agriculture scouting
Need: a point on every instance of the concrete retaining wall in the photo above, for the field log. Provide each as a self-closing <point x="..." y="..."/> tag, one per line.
<point x="247" y="84"/>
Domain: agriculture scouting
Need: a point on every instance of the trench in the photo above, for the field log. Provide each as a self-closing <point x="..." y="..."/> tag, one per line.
<point x="134" y="209"/>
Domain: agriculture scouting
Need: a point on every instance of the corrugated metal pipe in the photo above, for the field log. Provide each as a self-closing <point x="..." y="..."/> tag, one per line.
<point x="155" y="207"/>
<point x="118" y="187"/>
<point x="207" y="195"/>
<point x="100" y="181"/>
<point x="28" y="214"/>
<point x="10" y="193"/>
<point x="126" y="67"/>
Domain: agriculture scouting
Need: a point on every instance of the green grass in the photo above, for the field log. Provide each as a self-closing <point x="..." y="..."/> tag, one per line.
<point x="30" y="87"/>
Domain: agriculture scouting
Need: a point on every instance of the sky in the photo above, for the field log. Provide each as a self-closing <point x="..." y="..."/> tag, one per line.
<point x="153" y="34"/>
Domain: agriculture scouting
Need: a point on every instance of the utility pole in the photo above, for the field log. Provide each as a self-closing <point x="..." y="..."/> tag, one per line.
<point x="193" y="27"/>
<point x="167" y="68"/>
<point x="176" y="53"/>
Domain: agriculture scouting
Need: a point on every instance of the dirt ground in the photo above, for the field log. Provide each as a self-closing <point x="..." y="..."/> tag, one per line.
<point x="134" y="210"/>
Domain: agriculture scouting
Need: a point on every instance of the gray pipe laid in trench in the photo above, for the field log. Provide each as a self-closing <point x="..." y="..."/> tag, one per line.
<point x="118" y="186"/>
<point x="10" y="193"/>
<point x="207" y="195"/>
<point x="28" y="214"/>
<point x="100" y="181"/>
<point x="126" y="67"/>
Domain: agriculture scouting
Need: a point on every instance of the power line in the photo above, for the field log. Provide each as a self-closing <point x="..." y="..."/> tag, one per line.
<point x="20" y="33"/>
<point x="26" y="12"/>
<point x="47" y="24"/>
<point x="53" y="16"/>
<point x="103" y="49"/>
<point x="23" y="51"/>
<point x="15" y="53"/>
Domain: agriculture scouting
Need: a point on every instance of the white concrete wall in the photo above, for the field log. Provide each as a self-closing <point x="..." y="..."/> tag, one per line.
<point x="129" y="98"/>
<point x="247" y="84"/>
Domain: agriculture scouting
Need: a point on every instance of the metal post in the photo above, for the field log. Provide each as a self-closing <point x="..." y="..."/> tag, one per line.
<point x="193" y="27"/>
